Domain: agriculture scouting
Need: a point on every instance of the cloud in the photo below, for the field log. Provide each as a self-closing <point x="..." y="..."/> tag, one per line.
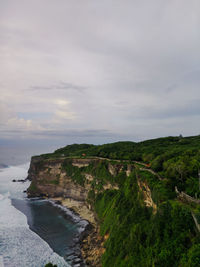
<point x="62" y="102"/>
<point x="131" y="69"/>
<point x="64" y="114"/>
<point x="59" y="86"/>
<point x="12" y="125"/>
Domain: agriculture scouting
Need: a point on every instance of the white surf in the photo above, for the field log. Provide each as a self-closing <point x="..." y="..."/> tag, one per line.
<point x="19" y="246"/>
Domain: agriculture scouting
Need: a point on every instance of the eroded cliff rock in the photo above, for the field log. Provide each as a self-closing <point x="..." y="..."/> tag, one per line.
<point x="50" y="178"/>
<point x="144" y="188"/>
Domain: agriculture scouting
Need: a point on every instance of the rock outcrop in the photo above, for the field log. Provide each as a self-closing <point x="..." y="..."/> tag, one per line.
<point x="92" y="248"/>
<point x="144" y="188"/>
<point x="49" y="178"/>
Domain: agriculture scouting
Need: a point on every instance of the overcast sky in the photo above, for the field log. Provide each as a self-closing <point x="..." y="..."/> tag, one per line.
<point x="98" y="71"/>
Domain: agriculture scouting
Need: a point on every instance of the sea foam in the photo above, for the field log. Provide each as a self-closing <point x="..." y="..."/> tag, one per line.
<point x="19" y="246"/>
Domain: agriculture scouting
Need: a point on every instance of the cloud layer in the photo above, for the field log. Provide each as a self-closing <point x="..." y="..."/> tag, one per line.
<point x="104" y="70"/>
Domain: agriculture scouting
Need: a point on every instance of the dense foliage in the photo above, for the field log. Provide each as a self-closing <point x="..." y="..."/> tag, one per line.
<point x="137" y="235"/>
<point x="98" y="170"/>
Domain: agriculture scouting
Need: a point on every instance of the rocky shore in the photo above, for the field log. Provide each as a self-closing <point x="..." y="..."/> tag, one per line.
<point x="91" y="243"/>
<point x="78" y="207"/>
<point x="92" y="248"/>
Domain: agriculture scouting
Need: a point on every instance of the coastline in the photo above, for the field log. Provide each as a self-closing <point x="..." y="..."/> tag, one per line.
<point x="54" y="180"/>
<point x="90" y="241"/>
<point x="20" y="245"/>
<point x="78" y="207"/>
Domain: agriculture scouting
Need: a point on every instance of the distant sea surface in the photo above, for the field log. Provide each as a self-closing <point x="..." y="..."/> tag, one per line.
<point x="12" y="154"/>
<point x="33" y="232"/>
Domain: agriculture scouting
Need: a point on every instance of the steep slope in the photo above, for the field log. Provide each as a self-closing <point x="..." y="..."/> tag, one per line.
<point x="143" y="220"/>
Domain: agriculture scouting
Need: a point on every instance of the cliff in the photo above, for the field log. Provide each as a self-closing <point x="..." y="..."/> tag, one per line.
<point x="75" y="182"/>
<point x="138" y="219"/>
<point x="68" y="177"/>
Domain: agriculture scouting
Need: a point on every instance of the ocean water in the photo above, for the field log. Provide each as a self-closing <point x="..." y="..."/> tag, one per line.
<point x="33" y="232"/>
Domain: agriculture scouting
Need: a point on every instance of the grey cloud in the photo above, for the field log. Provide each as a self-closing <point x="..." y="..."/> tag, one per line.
<point x="175" y="111"/>
<point x="64" y="136"/>
<point x="130" y="68"/>
<point x="59" y="86"/>
<point x="38" y="88"/>
<point x="188" y="110"/>
<point x="77" y="133"/>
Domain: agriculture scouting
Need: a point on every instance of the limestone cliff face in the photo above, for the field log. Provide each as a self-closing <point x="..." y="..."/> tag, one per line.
<point x="50" y="179"/>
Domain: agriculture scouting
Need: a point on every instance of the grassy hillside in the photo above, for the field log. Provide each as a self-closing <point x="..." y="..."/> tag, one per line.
<point x="139" y="236"/>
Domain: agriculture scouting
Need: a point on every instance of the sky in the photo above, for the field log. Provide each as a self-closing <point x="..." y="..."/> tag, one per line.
<point x="76" y="71"/>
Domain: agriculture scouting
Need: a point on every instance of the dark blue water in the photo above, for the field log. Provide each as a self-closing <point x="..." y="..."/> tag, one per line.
<point x="50" y="224"/>
<point x="34" y="232"/>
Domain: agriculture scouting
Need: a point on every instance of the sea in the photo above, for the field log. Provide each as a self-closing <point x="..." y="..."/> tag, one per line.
<point x="34" y="232"/>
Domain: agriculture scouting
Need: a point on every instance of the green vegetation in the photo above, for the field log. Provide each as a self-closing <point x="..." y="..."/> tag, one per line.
<point x="175" y="158"/>
<point x="56" y="182"/>
<point x="50" y="265"/>
<point x="33" y="187"/>
<point x="137" y="235"/>
<point x="160" y="190"/>
<point x="100" y="171"/>
<point x="74" y="172"/>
